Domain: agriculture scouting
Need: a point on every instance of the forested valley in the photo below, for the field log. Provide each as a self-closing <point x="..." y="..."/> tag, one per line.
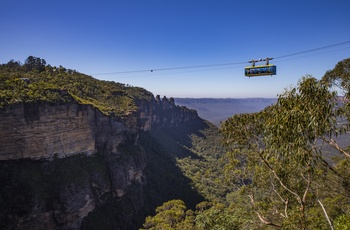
<point x="285" y="167"/>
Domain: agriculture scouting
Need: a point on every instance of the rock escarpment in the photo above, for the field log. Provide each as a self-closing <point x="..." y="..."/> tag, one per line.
<point x="163" y="112"/>
<point x="60" y="162"/>
<point x="44" y="130"/>
<point x="41" y="130"/>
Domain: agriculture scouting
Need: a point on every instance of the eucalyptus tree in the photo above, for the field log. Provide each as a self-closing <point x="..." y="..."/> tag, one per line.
<point x="276" y="154"/>
<point x="339" y="76"/>
<point x="171" y="215"/>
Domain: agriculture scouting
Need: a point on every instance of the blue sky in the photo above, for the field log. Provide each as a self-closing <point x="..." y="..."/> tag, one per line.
<point x="102" y="36"/>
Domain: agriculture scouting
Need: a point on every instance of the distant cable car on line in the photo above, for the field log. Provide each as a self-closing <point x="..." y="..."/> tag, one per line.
<point x="260" y="70"/>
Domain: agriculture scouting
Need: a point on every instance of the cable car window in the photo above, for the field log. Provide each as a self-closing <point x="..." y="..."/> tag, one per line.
<point x="252" y="71"/>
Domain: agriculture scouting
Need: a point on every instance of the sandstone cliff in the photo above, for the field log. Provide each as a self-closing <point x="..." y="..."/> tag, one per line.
<point x="44" y="130"/>
<point x="59" y="162"/>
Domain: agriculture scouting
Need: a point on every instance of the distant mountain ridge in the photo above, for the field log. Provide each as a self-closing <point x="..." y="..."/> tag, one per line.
<point x="216" y="110"/>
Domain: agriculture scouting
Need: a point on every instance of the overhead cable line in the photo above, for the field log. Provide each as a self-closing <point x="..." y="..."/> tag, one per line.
<point x="180" y="72"/>
<point x="312" y="50"/>
<point x="170" y="68"/>
<point x="223" y="64"/>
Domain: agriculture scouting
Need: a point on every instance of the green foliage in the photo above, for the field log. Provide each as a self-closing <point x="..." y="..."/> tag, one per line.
<point x="205" y="169"/>
<point x="194" y="150"/>
<point x="35" y="63"/>
<point x="339" y="76"/>
<point x="183" y="161"/>
<point x="342" y="222"/>
<point x="276" y="156"/>
<point x="36" y="81"/>
<point x="275" y="163"/>
<point x="171" y="215"/>
<point x="280" y="176"/>
<point x="300" y="117"/>
<point x="216" y="217"/>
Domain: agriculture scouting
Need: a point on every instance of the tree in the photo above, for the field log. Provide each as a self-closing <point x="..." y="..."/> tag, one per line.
<point x="215" y="216"/>
<point x="276" y="154"/>
<point x="171" y="215"/>
<point x="13" y="64"/>
<point x="339" y="75"/>
<point x="35" y="63"/>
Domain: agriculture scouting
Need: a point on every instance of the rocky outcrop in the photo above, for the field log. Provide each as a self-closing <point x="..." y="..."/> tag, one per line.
<point x="44" y="130"/>
<point x="61" y="163"/>
<point x="62" y="193"/>
<point x="163" y="113"/>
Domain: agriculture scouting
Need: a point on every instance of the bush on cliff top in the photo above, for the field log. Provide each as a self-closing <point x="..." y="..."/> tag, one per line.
<point x="37" y="81"/>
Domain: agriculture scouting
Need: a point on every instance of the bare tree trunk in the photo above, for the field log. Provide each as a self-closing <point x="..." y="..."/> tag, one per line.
<point x="325" y="213"/>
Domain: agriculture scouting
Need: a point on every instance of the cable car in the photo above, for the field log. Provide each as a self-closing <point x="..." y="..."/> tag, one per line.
<point x="261" y="70"/>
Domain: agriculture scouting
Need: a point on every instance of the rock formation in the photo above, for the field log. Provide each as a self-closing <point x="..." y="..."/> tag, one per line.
<point x="59" y="162"/>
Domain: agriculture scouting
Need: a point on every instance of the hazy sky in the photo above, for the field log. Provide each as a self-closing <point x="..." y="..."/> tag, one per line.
<point x="100" y="36"/>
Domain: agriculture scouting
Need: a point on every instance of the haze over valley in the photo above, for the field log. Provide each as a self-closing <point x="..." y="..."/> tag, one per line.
<point x="217" y="110"/>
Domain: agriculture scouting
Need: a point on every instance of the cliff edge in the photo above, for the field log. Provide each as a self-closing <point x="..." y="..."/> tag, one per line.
<point x="60" y="162"/>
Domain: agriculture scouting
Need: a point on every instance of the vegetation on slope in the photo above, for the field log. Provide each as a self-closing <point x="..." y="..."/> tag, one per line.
<point x="277" y="156"/>
<point x="284" y="161"/>
<point x="274" y="176"/>
<point x="36" y="81"/>
<point x="185" y="158"/>
<point x="185" y="179"/>
<point x="182" y="162"/>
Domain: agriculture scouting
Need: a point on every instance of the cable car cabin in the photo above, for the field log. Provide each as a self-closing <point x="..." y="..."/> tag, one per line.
<point x="261" y="70"/>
